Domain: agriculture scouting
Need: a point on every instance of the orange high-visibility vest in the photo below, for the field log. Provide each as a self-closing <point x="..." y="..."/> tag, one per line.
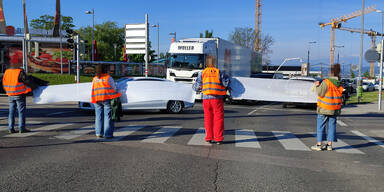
<point x="211" y="82"/>
<point x="101" y="90"/>
<point x="332" y="99"/>
<point x="11" y="83"/>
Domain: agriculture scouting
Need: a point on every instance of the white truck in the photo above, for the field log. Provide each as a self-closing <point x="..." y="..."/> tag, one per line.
<point x="187" y="58"/>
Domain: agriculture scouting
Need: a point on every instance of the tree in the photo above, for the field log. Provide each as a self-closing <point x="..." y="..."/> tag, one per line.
<point x="207" y="34"/>
<point x="352" y="74"/>
<point x="366" y="74"/>
<point x="46" y="22"/>
<point x="245" y="36"/>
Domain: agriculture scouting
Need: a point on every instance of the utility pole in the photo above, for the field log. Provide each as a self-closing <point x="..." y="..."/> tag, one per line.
<point x="359" y="82"/>
<point x="258" y="26"/>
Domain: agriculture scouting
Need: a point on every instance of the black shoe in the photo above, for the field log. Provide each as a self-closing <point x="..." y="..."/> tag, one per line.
<point x="11" y="131"/>
<point x="209" y="141"/>
<point x="99" y="136"/>
<point x="24" y="131"/>
<point x="219" y="142"/>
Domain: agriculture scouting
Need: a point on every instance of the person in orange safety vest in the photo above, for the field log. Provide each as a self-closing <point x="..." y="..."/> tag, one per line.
<point x="16" y="86"/>
<point x="103" y="91"/>
<point x="213" y="84"/>
<point x="330" y="93"/>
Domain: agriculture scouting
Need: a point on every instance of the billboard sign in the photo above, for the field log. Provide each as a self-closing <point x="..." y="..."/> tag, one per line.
<point x="135" y="38"/>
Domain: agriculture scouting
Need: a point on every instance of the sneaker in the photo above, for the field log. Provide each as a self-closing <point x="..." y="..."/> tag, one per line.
<point x="329" y="148"/>
<point x="11" y="131"/>
<point x="24" y="131"/>
<point x="99" y="136"/>
<point x="209" y="141"/>
<point x="317" y="147"/>
<point x="219" y="142"/>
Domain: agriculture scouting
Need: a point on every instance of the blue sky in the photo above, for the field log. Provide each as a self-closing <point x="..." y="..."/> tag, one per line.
<point x="291" y="23"/>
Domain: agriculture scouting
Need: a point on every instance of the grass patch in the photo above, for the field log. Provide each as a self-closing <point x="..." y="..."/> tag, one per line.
<point x="368" y="97"/>
<point x="57" y="79"/>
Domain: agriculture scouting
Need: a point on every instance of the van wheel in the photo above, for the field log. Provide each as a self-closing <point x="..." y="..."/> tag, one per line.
<point x="175" y="106"/>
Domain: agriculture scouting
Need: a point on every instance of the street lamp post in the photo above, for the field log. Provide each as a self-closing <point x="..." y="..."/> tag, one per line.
<point x="93" y="28"/>
<point x="381" y="61"/>
<point x="309" y="44"/>
<point x="359" y="82"/>
<point x="174" y="35"/>
<point x="115" y="46"/>
<point x="158" y="41"/>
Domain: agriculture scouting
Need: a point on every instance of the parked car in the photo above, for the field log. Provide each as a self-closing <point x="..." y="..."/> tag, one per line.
<point x="368" y="86"/>
<point x="268" y="75"/>
<point x="377" y="86"/>
<point x="143" y="98"/>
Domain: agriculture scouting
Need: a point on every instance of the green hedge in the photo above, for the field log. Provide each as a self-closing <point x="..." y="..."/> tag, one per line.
<point x="57" y="79"/>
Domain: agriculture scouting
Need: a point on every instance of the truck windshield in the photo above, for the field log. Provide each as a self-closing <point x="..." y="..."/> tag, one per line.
<point x="187" y="61"/>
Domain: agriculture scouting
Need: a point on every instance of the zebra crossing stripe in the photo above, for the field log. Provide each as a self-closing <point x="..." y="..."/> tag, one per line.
<point x="123" y="132"/>
<point x="29" y="123"/>
<point x="162" y="134"/>
<point x="39" y="130"/>
<point x="76" y="133"/>
<point x="290" y="141"/>
<point x="342" y="147"/>
<point x="199" y="138"/>
<point x="246" y="138"/>
<point x="368" y="138"/>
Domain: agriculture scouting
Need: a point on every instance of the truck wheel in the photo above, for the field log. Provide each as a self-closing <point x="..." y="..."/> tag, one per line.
<point x="175" y="106"/>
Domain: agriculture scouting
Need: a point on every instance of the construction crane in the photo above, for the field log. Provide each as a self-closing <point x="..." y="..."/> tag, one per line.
<point x="335" y="23"/>
<point x="258" y="26"/>
<point x="373" y="35"/>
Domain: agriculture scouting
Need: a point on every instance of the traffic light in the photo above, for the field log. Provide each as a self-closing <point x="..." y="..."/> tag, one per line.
<point x="70" y="38"/>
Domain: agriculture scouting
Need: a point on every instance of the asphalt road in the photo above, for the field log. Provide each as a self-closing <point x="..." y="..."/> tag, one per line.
<point x="267" y="148"/>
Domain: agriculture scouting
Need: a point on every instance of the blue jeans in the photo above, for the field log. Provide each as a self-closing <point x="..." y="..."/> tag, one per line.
<point x="322" y="121"/>
<point x="18" y="102"/>
<point x="103" y="121"/>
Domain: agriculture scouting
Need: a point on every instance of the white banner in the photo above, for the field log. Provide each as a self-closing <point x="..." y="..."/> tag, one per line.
<point x="273" y="90"/>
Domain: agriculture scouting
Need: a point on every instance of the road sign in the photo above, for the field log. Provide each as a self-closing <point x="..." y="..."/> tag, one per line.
<point x="371" y="56"/>
<point x="355" y="67"/>
<point x="135" y="38"/>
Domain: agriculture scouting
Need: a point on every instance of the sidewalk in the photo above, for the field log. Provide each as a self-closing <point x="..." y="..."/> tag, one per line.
<point x="364" y="108"/>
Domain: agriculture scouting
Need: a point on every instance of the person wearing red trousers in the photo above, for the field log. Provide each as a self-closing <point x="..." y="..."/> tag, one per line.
<point x="213" y="84"/>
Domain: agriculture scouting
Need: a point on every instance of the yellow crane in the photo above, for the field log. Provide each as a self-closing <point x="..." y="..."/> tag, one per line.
<point x="371" y="34"/>
<point x="335" y="23"/>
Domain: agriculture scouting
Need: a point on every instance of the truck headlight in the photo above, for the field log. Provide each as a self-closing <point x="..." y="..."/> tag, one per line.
<point x="172" y="74"/>
<point x="195" y="74"/>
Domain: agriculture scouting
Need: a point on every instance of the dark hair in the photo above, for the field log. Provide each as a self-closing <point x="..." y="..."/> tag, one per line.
<point x="101" y="69"/>
<point x="335" y="70"/>
<point x="210" y="61"/>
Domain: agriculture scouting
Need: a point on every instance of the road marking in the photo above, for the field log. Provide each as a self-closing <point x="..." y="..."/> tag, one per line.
<point x="123" y="132"/>
<point x="76" y="133"/>
<point x="199" y="138"/>
<point x="39" y="130"/>
<point x="368" y="138"/>
<point x="162" y="134"/>
<point x="61" y="112"/>
<point x="250" y="113"/>
<point x="290" y="141"/>
<point x="342" y="147"/>
<point x="29" y="123"/>
<point x="246" y="138"/>
<point x="341" y="123"/>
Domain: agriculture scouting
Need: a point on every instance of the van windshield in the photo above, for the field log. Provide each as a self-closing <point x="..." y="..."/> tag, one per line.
<point x="186" y="61"/>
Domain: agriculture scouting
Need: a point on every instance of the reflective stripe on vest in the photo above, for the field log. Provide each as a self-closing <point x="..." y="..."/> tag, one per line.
<point x="211" y="82"/>
<point x="11" y="83"/>
<point x="101" y="90"/>
<point x="332" y="99"/>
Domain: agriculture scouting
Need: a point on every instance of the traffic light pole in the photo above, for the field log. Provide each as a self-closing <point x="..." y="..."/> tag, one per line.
<point x="381" y="76"/>
<point x="78" y="59"/>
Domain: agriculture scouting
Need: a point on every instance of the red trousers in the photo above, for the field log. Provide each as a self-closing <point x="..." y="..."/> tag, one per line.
<point x="214" y="119"/>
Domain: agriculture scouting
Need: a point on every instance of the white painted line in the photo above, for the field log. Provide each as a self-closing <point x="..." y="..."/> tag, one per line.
<point x="61" y="112"/>
<point x="290" y="141"/>
<point x="199" y="138"/>
<point x="123" y="132"/>
<point x="29" y="123"/>
<point x="76" y="133"/>
<point x="246" y="138"/>
<point x="250" y="113"/>
<point x="162" y="134"/>
<point x="342" y="147"/>
<point x="368" y="138"/>
<point x="39" y="130"/>
<point x="341" y="123"/>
